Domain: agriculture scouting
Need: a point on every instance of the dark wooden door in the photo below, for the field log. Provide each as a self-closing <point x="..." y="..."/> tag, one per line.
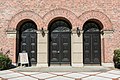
<point x="92" y="48"/>
<point x="60" y="48"/>
<point x="65" y="47"/>
<point x="29" y="44"/>
<point x="54" y="48"/>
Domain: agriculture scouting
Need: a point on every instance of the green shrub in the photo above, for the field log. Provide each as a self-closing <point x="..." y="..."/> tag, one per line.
<point x="116" y="58"/>
<point x="117" y="55"/>
<point x="5" y="62"/>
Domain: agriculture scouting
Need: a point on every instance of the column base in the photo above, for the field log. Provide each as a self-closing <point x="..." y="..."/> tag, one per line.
<point x="77" y="64"/>
<point x="42" y="65"/>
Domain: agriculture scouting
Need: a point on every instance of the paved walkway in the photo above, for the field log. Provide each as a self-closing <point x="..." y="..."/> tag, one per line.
<point x="16" y="74"/>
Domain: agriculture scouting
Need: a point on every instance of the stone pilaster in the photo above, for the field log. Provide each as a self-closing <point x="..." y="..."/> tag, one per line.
<point x="76" y="49"/>
<point x="42" y="49"/>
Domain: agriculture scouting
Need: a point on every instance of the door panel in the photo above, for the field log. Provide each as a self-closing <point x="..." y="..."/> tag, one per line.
<point x="87" y="48"/>
<point x="29" y="45"/>
<point x="54" y="57"/>
<point x="96" y="48"/>
<point x="65" y="47"/>
<point x="24" y="43"/>
<point x="33" y="47"/>
<point x="92" y="48"/>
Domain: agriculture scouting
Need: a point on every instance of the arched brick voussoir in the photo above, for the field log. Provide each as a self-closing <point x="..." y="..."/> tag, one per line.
<point x="107" y="25"/>
<point x="64" y="13"/>
<point x="26" y="15"/>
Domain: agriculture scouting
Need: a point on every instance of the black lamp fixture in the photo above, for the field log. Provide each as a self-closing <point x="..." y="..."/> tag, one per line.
<point x="78" y="31"/>
<point x="43" y="33"/>
<point x="102" y="32"/>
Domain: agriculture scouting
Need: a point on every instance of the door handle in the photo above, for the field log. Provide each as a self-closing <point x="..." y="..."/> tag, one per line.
<point x="58" y="52"/>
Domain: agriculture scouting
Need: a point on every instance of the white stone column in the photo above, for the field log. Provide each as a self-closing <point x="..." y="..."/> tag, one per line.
<point x="76" y="49"/>
<point x="42" y="49"/>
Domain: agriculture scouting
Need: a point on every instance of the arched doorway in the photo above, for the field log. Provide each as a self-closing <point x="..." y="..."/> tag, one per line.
<point x="59" y="42"/>
<point x="91" y="43"/>
<point x="27" y="40"/>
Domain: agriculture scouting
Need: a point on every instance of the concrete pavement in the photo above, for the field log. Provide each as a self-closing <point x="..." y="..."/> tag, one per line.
<point x="88" y="73"/>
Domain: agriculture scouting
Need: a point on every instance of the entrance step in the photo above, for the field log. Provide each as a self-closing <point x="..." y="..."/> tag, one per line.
<point x="62" y="65"/>
<point x="64" y="69"/>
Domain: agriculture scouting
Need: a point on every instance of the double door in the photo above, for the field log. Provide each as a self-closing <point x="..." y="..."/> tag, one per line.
<point x="92" y="48"/>
<point x="60" y="52"/>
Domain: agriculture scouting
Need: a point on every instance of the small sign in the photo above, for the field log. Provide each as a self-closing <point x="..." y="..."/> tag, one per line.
<point x="23" y="58"/>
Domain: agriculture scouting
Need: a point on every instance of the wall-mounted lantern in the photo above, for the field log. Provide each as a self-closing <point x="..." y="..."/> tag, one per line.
<point x="43" y="32"/>
<point x="78" y="31"/>
<point x="102" y="32"/>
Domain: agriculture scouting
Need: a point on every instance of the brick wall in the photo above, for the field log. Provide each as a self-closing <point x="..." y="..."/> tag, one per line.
<point x="76" y="11"/>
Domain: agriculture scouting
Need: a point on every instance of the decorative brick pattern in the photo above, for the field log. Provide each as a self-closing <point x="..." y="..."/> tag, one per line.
<point x="76" y="11"/>
<point x="26" y="15"/>
<point x="61" y="12"/>
<point x="107" y="25"/>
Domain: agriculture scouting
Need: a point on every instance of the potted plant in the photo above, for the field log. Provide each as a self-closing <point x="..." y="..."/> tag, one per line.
<point x="116" y="58"/>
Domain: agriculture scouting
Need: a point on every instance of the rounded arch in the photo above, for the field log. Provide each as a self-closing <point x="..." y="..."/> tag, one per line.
<point x="57" y="19"/>
<point x="61" y="13"/>
<point x="19" y="26"/>
<point x="92" y="23"/>
<point x="97" y="17"/>
<point x="26" y="15"/>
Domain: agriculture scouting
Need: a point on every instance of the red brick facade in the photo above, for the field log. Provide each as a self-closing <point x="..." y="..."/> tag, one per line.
<point x="76" y="11"/>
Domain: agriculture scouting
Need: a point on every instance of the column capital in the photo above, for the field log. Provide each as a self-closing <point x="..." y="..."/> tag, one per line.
<point x="11" y="31"/>
<point x="40" y="31"/>
<point x="46" y="31"/>
<point x="74" y="31"/>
